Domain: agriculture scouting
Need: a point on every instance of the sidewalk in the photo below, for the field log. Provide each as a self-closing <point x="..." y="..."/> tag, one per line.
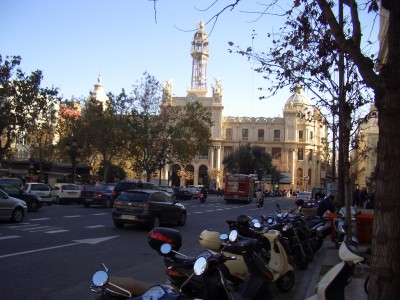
<point x="326" y="260"/>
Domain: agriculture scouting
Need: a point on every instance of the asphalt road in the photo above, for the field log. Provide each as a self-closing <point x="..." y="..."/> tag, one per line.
<point x="53" y="253"/>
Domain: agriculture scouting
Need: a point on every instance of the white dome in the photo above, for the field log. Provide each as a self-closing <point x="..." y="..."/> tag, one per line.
<point x="99" y="92"/>
<point x="298" y="98"/>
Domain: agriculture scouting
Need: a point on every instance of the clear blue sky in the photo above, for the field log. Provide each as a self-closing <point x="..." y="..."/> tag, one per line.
<point x="73" y="41"/>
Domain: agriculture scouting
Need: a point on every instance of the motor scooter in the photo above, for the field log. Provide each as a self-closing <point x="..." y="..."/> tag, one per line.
<point x="276" y="265"/>
<point x="333" y="283"/>
<point x="202" y="197"/>
<point x="116" y="286"/>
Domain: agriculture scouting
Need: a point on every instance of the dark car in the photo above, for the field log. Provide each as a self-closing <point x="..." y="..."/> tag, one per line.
<point x="147" y="207"/>
<point x="15" y="181"/>
<point x="99" y="195"/>
<point x="183" y="194"/>
<point x="33" y="202"/>
<point x="125" y="185"/>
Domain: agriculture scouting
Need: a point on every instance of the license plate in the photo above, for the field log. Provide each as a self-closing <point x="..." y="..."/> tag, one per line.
<point x="128" y="217"/>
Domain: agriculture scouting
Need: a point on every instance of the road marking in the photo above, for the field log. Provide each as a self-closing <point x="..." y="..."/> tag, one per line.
<point x="74" y="216"/>
<point x="100" y="214"/>
<point x="95" y="226"/>
<point x="9" y="237"/>
<point x="39" y="219"/>
<point x="77" y="242"/>
<point x="56" y="231"/>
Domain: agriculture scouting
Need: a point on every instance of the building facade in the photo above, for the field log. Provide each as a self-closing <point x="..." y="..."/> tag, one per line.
<point x="296" y="141"/>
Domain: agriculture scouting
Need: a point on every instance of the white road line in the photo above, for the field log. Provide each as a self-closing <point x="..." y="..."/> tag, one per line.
<point x="9" y="237"/>
<point x="100" y="214"/>
<point x="39" y="219"/>
<point x="95" y="226"/>
<point x="56" y="231"/>
<point x="75" y="216"/>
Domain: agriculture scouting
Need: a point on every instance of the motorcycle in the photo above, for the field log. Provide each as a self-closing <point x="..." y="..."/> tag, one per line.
<point x="210" y="267"/>
<point x="115" y="286"/>
<point x="202" y="197"/>
<point x="340" y="227"/>
<point x="296" y="236"/>
<point x="276" y="265"/>
<point x="332" y="284"/>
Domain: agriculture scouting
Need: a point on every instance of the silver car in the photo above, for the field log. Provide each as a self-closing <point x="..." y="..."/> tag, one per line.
<point x="12" y="209"/>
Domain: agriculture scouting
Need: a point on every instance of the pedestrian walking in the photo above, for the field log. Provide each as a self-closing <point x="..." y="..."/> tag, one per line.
<point x="260" y="198"/>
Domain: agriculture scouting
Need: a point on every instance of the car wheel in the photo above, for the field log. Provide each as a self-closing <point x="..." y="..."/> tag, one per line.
<point x="48" y="203"/>
<point x="118" y="224"/>
<point x="182" y="220"/>
<point x="107" y="204"/>
<point x="17" y="215"/>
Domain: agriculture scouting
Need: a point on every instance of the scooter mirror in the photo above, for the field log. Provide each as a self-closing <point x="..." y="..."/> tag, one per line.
<point x="270" y="220"/>
<point x="233" y="235"/>
<point x="256" y="224"/>
<point x="100" y="278"/>
<point x="165" y="248"/>
<point x="223" y="236"/>
<point x="200" y="266"/>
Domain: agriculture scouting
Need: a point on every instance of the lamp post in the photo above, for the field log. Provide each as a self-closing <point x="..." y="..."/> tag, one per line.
<point x="73" y="151"/>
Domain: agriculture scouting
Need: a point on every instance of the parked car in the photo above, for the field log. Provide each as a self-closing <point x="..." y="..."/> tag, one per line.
<point x="33" y="202"/>
<point x="99" y="195"/>
<point x="125" y="185"/>
<point x="183" y="194"/>
<point x="12" y="209"/>
<point x="63" y="193"/>
<point x="147" y="207"/>
<point x="15" y="181"/>
<point x="304" y="195"/>
<point x="39" y="189"/>
<point x="195" y="193"/>
<point x="168" y="190"/>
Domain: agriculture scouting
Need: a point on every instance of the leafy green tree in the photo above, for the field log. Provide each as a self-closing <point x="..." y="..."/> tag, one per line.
<point x="23" y="102"/>
<point x="114" y="172"/>
<point x="101" y="131"/>
<point x="157" y="133"/>
<point x="248" y="160"/>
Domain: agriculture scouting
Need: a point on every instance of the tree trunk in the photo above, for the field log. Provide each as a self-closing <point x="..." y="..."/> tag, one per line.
<point x="385" y="273"/>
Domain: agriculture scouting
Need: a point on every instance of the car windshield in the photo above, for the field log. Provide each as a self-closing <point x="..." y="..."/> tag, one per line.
<point x="133" y="197"/>
<point x="106" y="187"/>
<point x="126" y="186"/>
<point x="39" y="187"/>
<point x="10" y="188"/>
<point x="71" y="187"/>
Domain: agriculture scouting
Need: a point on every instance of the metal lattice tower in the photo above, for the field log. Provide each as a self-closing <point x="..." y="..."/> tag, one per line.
<point x="200" y="54"/>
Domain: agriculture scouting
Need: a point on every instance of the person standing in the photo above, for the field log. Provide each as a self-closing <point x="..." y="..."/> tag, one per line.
<point x="326" y="205"/>
<point x="356" y="197"/>
<point x="260" y="198"/>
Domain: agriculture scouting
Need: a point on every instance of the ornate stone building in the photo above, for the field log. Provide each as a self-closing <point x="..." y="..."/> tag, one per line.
<point x="295" y="141"/>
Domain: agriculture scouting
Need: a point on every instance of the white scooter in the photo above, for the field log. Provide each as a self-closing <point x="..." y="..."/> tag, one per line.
<point x="280" y="271"/>
<point x="333" y="283"/>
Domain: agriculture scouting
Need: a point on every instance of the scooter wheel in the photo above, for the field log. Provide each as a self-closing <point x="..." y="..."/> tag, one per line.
<point x="285" y="282"/>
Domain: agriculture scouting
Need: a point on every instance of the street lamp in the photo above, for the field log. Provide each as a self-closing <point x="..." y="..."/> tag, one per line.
<point x="73" y="151"/>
